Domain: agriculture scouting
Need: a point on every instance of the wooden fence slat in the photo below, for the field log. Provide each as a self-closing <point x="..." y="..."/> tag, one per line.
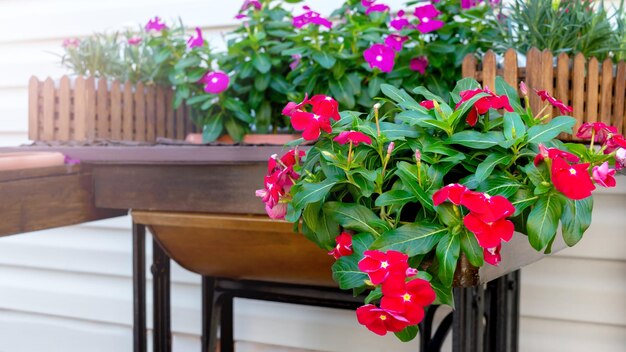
<point x="591" y="109"/>
<point x="48" y="110"/>
<point x="150" y="113"/>
<point x="180" y="122"/>
<point x="80" y="109"/>
<point x="63" y="132"/>
<point x="102" y="109"/>
<point x="489" y="70"/>
<point x="189" y="126"/>
<point x="606" y="92"/>
<point x="578" y="89"/>
<point x="533" y="77"/>
<point x="160" y="112"/>
<point x="170" y="118"/>
<point x="140" y="112"/>
<point x="33" y="108"/>
<point x="116" y="111"/>
<point x="547" y="81"/>
<point x="129" y="122"/>
<point x="562" y="89"/>
<point x="468" y="69"/>
<point x="619" y="110"/>
<point x="90" y="102"/>
<point x="510" y="68"/>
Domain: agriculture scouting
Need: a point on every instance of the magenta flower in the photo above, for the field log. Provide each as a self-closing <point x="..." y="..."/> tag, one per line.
<point x="367" y="3"/>
<point x="426" y="15"/>
<point x="196" y="41"/>
<point x="419" y="64"/>
<point x="247" y="3"/>
<point x="325" y="106"/>
<point x="395" y="41"/>
<point x="311" y="17"/>
<point x="296" y="61"/>
<point x="381" y="57"/>
<point x="215" y="82"/>
<point x="377" y="8"/>
<point x="292" y="107"/>
<point x="155" y="25"/>
<point x="603" y="175"/>
<point x="620" y="158"/>
<point x="136" y="40"/>
<point x="310" y="123"/>
<point x="71" y="43"/>
<point x="400" y="22"/>
<point x="353" y="137"/>
<point x="468" y="4"/>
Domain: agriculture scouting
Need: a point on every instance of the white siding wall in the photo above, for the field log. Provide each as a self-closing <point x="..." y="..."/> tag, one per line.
<point x="69" y="289"/>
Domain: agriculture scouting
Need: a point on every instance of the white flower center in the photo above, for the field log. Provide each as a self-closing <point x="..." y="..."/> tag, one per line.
<point x="425" y="19"/>
<point x="572" y="171"/>
<point x="384" y="265"/>
<point x="317" y="117"/>
<point x="379" y="58"/>
<point x="214" y="80"/>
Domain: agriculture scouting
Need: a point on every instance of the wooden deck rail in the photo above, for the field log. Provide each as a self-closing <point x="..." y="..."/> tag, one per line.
<point x="86" y="109"/>
<point x="596" y="91"/>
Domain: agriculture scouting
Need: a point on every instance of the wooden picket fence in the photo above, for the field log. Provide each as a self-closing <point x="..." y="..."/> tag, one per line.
<point x="90" y="109"/>
<point x="597" y="92"/>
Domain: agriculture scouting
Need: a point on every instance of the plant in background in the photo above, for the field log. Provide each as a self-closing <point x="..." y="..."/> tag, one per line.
<point x="397" y="197"/>
<point x="572" y="27"/>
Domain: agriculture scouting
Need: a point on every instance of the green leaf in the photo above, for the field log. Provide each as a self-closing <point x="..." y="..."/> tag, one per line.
<point x="356" y="217"/>
<point x="261" y="82"/>
<point x="447" y="253"/>
<point x="503" y="88"/>
<point x="347" y="274"/>
<point x="234" y="128"/>
<point x="323" y="228"/>
<point x="576" y="219"/>
<point x="447" y="214"/>
<point x="472" y="249"/>
<point x="263" y="117"/>
<point x="499" y="185"/>
<point x="463" y="85"/>
<point x="213" y="129"/>
<point x="395" y="197"/>
<point x="313" y="192"/>
<point x="485" y="168"/>
<point x="325" y="59"/>
<point x="546" y="132"/>
<point x="395" y="131"/>
<point x="444" y="294"/>
<point x="373" y="87"/>
<point x="262" y="62"/>
<point x="412" y="239"/>
<point x="431" y="123"/>
<point x="408" y="174"/>
<point x="343" y="92"/>
<point x="543" y="220"/>
<point x="408" y="334"/>
<point x="397" y="95"/>
<point x="187" y="62"/>
<point x="476" y="140"/>
<point x="514" y="127"/>
<point x="374" y="295"/>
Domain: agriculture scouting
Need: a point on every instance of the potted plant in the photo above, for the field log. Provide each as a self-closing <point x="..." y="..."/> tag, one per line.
<point x="398" y="193"/>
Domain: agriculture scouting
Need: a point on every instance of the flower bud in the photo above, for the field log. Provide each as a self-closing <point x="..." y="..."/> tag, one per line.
<point x="376" y="106"/>
<point x="418" y="155"/>
<point x="620" y="158"/>
<point x="410" y="272"/>
<point x="523" y="88"/>
<point x="390" y="148"/>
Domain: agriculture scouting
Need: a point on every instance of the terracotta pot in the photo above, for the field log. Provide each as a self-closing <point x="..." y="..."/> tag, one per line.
<point x="30" y="160"/>
<point x="250" y="139"/>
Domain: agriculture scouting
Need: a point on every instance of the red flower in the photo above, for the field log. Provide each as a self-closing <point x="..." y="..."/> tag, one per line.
<point x="492" y="255"/>
<point x="489" y="234"/>
<point x="486" y="207"/>
<point x="292" y="107"/>
<point x="380" y="321"/>
<point x="287" y="160"/>
<point x="428" y="104"/>
<point x="325" y="106"/>
<point x="352" y="136"/>
<point x="379" y="265"/>
<point x="483" y="105"/>
<point x="343" y="247"/>
<point x="407" y="298"/>
<point x="572" y="180"/>
<point x="600" y="130"/>
<point x="551" y="153"/>
<point x="603" y="175"/>
<point x="452" y="192"/>
<point x="544" y="95"/>
<point x="613" y="142"/>
<point x="310" y="123"/>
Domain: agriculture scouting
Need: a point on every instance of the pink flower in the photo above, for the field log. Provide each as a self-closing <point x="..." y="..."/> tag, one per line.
<point x="296" y="61"/>
<point x="620" y="158"/>
<point x="71" y="43"/>
<point x="428" y="104"/>
<point x="367" y="3"/>
<point x="492" y="255"/>
<point x="551" y="153"/>
<point x="215" y="82"/>
<point x="376" y="8"/>
<point x="544" y="95"/>
<point x="380" y="265"/>
<point x="523" y="88"/>
<point x="489" y="234"/>
<point x="419" y="64"/>
<point x="599" y="130"/>
<point x="292" y="107"/>
<point x="603" y="175"/>
<point x="380" y="56"/>
<point x="613" y="142"/>
<point x="468" y="4"/>
<point x="276" y="212"/>
<point x="311" y="17"/>
<point x="155" y="25"/>
<point x="426" y="15"/>
<point x="380" y="321"/>
<point x="400" y="22"/>
<point x="352" y="137"/>
<point x="407" y="298"/>
<point x="197" y="41"/>
<point x="136" y="40"/>
<point x="310" y="123"/>
<point x="247" y="3"/>
<point x="343" y="247"/>
<point x="453" y="192"/>
<point x="395" y="41"/>
<point x="571" y="180"/>
<point x="325" y="106"/>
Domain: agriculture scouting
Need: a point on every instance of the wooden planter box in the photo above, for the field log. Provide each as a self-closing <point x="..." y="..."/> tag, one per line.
<point x="89" y="109"/>
<point x="597" y="92"/>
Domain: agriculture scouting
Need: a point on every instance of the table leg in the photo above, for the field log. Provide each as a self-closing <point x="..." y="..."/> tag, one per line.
<point x="161" y="296"/>
<point x="502" y="313"/>
<point x="468" y="320"/>
<point x="139" y="288"/>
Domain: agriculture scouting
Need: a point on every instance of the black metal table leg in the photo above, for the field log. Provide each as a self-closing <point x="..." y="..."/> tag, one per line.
<point x="227" y="338"/>
<point x="468" y="320"/>
<point x="139" y="288"/>
<point x="161" y="296"/>
<point x="502" y="313"/>
<point x="210" y="314"/>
